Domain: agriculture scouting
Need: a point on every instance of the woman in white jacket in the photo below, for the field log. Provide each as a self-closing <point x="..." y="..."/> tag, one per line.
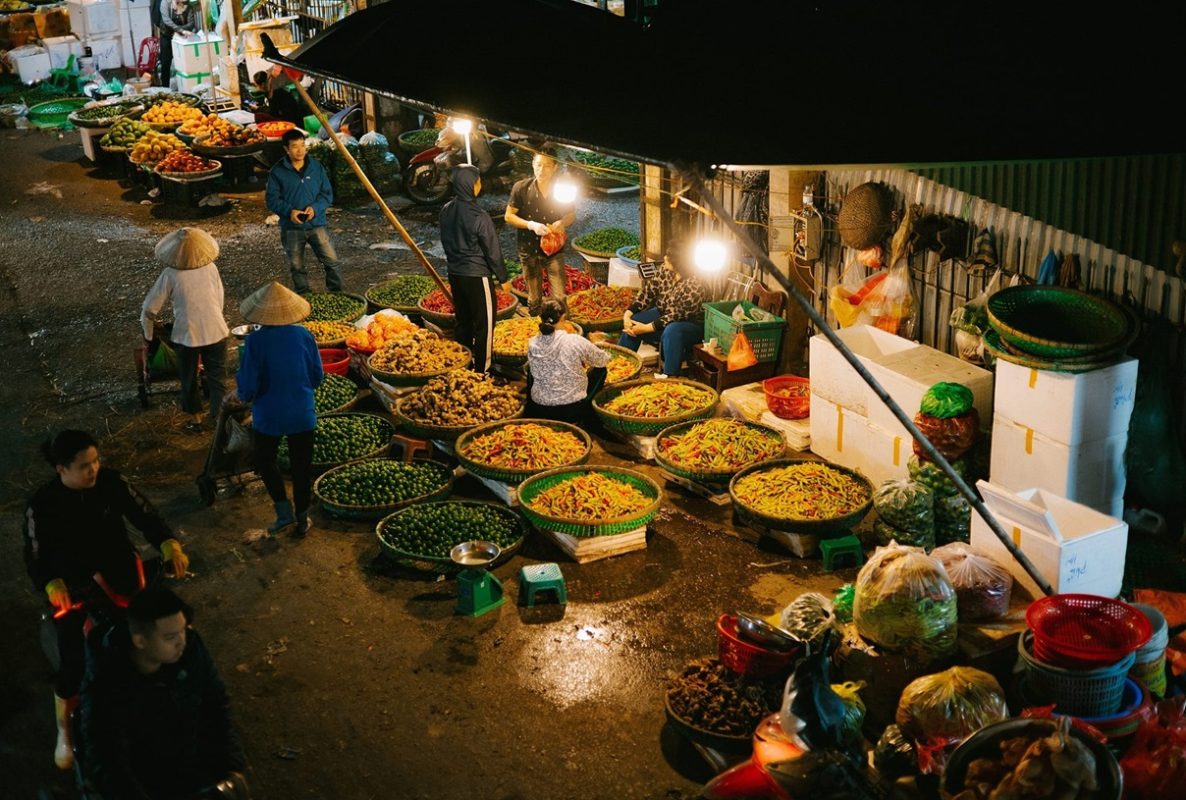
<point x="559" y="387"/>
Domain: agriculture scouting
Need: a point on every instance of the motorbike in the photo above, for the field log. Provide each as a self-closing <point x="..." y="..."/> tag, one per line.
<point x="426" y="178"/>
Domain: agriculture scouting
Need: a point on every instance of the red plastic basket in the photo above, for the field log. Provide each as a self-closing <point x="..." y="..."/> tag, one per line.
<point x="335" y="361"/>
<point x="1085" y="630"/>
<point x="749" y="660"/>
<point x="788" y="396"/>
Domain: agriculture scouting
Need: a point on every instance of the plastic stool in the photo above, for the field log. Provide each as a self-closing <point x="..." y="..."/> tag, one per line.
<point x="835" y="549"/>
<point x="537" y="578"/>
<point x="410" y="446"/>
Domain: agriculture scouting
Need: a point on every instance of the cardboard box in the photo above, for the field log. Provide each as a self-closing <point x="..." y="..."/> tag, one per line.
<point x="1068" y="408"/>
<point x="1091" y="473"/>
<point x="89" y="18"/>
<point x="61" y="48"/>
<point x="839" y="434"/>
<point x="907" y="376"/>
<point x="31" y="62"/>
<point x="1075" y="548"/>
<point x="834" y="380"/>
<point x="106" y="50"/>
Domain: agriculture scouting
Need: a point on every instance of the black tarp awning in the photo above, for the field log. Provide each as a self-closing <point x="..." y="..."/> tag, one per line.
<point x="743" y="82"/>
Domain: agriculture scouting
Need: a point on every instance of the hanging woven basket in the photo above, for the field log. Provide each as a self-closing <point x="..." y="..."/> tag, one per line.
<point x="865" y="216"/>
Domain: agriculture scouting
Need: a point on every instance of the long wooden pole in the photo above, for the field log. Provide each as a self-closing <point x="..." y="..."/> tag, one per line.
<point x="370" y="187"/>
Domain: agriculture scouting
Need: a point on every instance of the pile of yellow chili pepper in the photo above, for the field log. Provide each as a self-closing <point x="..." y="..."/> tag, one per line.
<point x="591" y="497"/>
<point x="620" y="368"/>
<point x="660" y="399"/>
<point x="720" y="445"/>
<point x="522" y="446"/>
<point x="807" y="491"/>
<point x="511" y="335"/>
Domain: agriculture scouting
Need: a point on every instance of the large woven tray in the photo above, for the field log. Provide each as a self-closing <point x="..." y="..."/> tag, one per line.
<point x="816" y="527"/>
<point x="352" y="512"/>
<point x="1053" y="321"/>
<point x="450" y="320"/>
<point x="604" y="324"/>
<point x="415" y="378"/>
<point x="105" y="122"/>
<point x="514" y="359"/>
<point x="709" y="476"/>
<point x="447" y="433"/>
<point x="361" y="305"/>
<point x="628" y="353"/>
<point x="378" y="452"/>
<point x="445" y="566"/>
<point x="516" y="476"/>
<point x="647" y="426"/>
<point x="532" y="486"/>
<point x="994" y="345"/>
<point x="405" y="310"/>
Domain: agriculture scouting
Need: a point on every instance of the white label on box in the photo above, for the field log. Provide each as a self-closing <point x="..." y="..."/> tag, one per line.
<point x="834" y="379"/>
<point x="1068" y="408"/>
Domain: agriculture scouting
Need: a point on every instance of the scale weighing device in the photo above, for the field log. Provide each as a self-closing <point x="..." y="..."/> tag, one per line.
<point x="477" y="590"/>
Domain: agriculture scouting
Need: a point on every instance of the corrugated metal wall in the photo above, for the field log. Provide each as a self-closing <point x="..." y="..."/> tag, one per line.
<point x="1135" y="206"/>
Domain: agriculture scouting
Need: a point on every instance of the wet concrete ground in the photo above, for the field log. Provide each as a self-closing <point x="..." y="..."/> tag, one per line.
<point x="349" y="679"/>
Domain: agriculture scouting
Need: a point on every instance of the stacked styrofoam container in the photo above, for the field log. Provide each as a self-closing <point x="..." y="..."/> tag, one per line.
<point x="97" y="23"/>
<point x="196" y="60"/>
<point x="1065" y="433"/>
<point x="60" y="48"/>
<point x="135" y="18"/>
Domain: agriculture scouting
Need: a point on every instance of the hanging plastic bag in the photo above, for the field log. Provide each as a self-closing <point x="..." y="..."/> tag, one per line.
<point x="905" y="603"/>
<point x="808" y="617"/>
<point x="846" y="297"/>
<point x="890" y="305"/>
<point x="939" y="711"/>
<point x="970" y="321"/>
<point x="552" y="242"/>
<point x="982" y="586"/>
<point x="741" y="353"/>
<point x="1155" y="761"/>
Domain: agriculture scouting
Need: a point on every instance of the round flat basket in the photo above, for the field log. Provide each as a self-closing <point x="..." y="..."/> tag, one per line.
<point x="533" y="486"/>
<point x="200" y="147"/>
<point x="445" y="433"/>
<point x="357" y="512"/>
<point x="372" y="296"/>
<point x="415" y="378"/>
<point x="1053" y="321"/>
<point x="515" y="359"/>
<point x="737" y="745"/>
<point x="648" y="426"/>
<point x="663" y="458"/>
<point x="515" y="476"/>
<point x="357" y="308"/>
<point x="819" y="527"/>
<point x="628" y="354"/>
<point x="450" y="320"/>
<point x="163" y="127"/>
<point x="378" y="452"/>
<point x="103" y="122"/>
<point x="994" y="345"/>
<point x="55" y="112"/>
<point x="205" y="174"/>
<point x="613" y="323"/>
<point x="445" y="566"/>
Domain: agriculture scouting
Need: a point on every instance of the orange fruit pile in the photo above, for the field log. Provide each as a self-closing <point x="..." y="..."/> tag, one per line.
<point x="383" y="328"/>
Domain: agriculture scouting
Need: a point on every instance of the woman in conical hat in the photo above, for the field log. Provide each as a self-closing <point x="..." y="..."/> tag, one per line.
<point x="190" y="281"/>
<point x="278" y="372"/>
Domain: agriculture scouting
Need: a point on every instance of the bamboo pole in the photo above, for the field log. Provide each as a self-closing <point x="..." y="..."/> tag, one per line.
<point x="370" y="187"/>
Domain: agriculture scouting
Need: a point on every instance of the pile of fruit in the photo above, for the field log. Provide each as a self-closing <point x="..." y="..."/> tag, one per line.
<point x="381" y="331"/>
<point x="462" y="397"/>
<point x="575" y="280"/>
<point x="154" y="146"/>
<point x="204" y="126"/>
<point x="178" y="98"/>
<point x="433" y="529"/>
<point x="334" y="307"/>
<point x="339" y="439"/>
<point x="107" y="112"/>
<point x="275" y="128"/>
<point x="660" y="399"/>
<point x="438" y="303"/>
<point x="15" y="5"/>
<point x="511" y="335"/>
<point x="333" y="393"/>
<point x="170" y="113"/>
<point x="590" y="497"/>
<point x="234" y="136"/>
<point x="806" y="491"/>
<point x="720" y="445"/>
<point x="418" y="352"/>
<point x="525" y="446"/>
<point x="327" y="333"/>
<point x="380" y="482"/>
<point x="402" y="292"/>
<point x="124" y="133"/>
<point x="185" y="161"/>
<point x="600" y="303"/>
<point x="605" y="241"/>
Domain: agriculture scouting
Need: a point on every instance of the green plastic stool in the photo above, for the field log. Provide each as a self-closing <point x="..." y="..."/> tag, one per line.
<point x="836" y="549"/>
<point x="537" y="578"/>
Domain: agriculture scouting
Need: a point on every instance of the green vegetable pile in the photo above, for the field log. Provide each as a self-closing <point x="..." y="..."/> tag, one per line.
<point x="514" y="268"/>
<point x="402" y="292"/>
<point x="104" y="112"/>
<point x="603" y="169"/>
<point x="124" y="133"/>
<point x="433" y="529"/>
<point x="338" y="439"/>
<point x="419" y="140"/>
<point x="634" y="253"/>
<point x="907" y="511"/>
<point x="333" y="393"/>
<point x="334" y="307"/>
<point x="606" y="241"/>
<point x="929" y="475"/>
<point x="379" y="482"/>
<point x="946" y="400"/>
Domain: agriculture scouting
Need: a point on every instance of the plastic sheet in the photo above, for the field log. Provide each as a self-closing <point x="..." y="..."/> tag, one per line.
<point x="905" y="603"/>
<point x="808" y="617"/>
<point x="982" y="586"/>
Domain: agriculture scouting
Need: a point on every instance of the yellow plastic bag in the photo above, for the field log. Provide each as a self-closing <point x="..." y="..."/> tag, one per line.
<point x="741" y="353"/>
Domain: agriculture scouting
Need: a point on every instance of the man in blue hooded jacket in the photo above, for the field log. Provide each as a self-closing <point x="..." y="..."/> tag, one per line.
<point x="299" y="192"/>
<point x="475" y="258"/>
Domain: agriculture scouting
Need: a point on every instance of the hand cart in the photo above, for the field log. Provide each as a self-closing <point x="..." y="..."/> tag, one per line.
<point x="231" y="455"/>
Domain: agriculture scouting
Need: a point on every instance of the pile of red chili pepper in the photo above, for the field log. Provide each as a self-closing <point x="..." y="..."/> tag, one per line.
<point x="436" y="301"/>
<point x="660" y="399"/>
<point x="590" y="497"/>
<point x="575" y="280"/>
<point x="807" y="491"/>
<point x="720" y="445"/>
<point x="522" y="446"/>
<point x="600" y="303"/>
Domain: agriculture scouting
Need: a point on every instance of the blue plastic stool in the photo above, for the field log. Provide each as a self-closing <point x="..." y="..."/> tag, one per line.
<point x="537" y="578"/>
<point x="836" y="549"/>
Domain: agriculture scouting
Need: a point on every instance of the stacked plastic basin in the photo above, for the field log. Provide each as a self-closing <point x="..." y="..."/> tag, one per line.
<point x="1149" y="665"/>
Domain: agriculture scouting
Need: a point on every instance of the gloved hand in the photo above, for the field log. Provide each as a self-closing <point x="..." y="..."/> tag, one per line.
<point x="538" y="228"/>
<point x="171" y="550"/>
<point x="59" y="595"/>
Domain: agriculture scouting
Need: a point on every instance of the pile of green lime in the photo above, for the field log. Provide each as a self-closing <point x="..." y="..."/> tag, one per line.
<point x="402" y="292"/>
<point x="605" y="240"/>
<point x="345" y="437"/>
<point x="334" y="307"/>
<point x="380" y="482"/>
<point x="433" y="529"/>
<point x="333" y="393"/>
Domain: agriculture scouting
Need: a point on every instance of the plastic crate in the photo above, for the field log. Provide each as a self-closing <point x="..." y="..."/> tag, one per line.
<point x="764" y="337"/>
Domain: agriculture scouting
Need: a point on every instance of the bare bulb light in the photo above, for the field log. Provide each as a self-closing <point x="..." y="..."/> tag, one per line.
<point x="564" y="191"/>
<point x="709" y="256"/>
<point x="462" y="126"/>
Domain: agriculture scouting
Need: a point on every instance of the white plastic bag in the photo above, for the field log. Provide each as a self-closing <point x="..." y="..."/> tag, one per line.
<point x="982" y="586"/>
<point x="905" y="602"/>
<point x="971" y="321"/>
<point x="365" y="321"/>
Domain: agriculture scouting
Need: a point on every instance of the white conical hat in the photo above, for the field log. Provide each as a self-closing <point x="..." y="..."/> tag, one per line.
<point x="275" y="305"/>
<point x="186" y="248"/>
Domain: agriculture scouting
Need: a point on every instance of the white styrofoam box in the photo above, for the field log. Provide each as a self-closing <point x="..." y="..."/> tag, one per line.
<point x="32" y="63"/>
<point x="1091" y="473"/>
<point x="622" y="274"/>
<point x="61" y="48"/>
<point x="1075" y="548"/>
<point x="189" y="83"/>
<point x="746" y="402"/>
<point x="136" y="22"/>
<point x="197" y="53"/>
<point x="838" y="434"/>
<point x="106" y="50"/>
<point x="833" y="379"/>
<point x="90" y="137"/>
<point x="885" y="455"/>
<point x="907" y="376"/>
<point x="648" y="354"/>
<point x="93" y="17"/>
<point x="1068" y="408"/>
<point x="240" y="117"/>
<point x="795" y="432"/>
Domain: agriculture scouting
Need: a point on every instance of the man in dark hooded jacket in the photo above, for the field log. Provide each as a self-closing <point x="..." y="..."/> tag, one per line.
<point x="475" y="258"/>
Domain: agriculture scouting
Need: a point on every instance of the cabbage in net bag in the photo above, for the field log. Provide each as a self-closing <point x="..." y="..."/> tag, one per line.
<point x="905" y="603"/>
<point x="982" y="586"/>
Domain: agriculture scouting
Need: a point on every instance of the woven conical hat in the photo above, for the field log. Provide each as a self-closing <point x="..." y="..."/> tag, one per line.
<point x="275" y="305"/>
<point x="187" y="248"/>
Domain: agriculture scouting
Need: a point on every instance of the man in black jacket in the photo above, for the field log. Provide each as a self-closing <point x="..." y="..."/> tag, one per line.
<point x="156" y="721"/>
<point x="472" y="249"/>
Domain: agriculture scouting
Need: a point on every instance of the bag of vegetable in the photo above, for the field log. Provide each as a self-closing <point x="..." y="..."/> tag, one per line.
<point x="887" y="534"/>
<point x="948" y="419"/>
<point x="941" y="710"/>
<point x="905" y="603"/>
<point x="808" y="617"/>
<point x="982" y="586"/>
<point x="953" y="519"/>
<point x="908" y="506"/>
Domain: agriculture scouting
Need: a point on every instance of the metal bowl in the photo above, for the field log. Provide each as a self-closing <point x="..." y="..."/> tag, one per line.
<point x="241" y="331"/>
<point x="475" y="554"/>
<point x="759" y="631"/>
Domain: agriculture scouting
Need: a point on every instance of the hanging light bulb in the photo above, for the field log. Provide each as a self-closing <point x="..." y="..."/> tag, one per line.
<point x="709" y="256"/>
<point x="462" y="126"/>
<point x="564" y="190"/>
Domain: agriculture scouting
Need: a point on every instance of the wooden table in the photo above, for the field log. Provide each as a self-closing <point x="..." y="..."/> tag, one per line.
<point x="712" y="368"/>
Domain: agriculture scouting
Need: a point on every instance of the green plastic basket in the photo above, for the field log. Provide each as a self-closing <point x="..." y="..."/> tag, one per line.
<point x="532" y="487"/>
<point x="353" y="512"/>
<point x="516" y="476"/>
<point x="1053" y="321"/>
<point x="707" y="476"/>
<point x="764" y="337"/>
<point x="446" y="433"/>
<point x="56" y="113"/>
<point x="820" y="527"/>
<point x="360" y="305"/>
<point x="446" y="566"/>
<point x="647" y="426"/>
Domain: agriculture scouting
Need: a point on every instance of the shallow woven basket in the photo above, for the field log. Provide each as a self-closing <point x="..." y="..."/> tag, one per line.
<point x="446" y="566"/>
<point x="531" y="488"/>
<point x="447" y="433"/>
<point x="811" y="526"/>
<point x="705" y="475"/>
<point x="647" y="426"/>
<point x="199" y="146"/>
<point x="378" y="452"/>
<point x="994" y="345"/>
<point x="514" y="359"/>
<point x="516" y="476"/>
<point x="360" y="304"/>
<point x="450" y="320"/>
<point x="628" y="353"/>
<point x="416" y="378"/>
<point x="352" y="512"/>
<point x="605" y="324"/>
<point x="865" y="216"/>
<point x="1053" y="321"/>
<point x="405" y="310"/>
